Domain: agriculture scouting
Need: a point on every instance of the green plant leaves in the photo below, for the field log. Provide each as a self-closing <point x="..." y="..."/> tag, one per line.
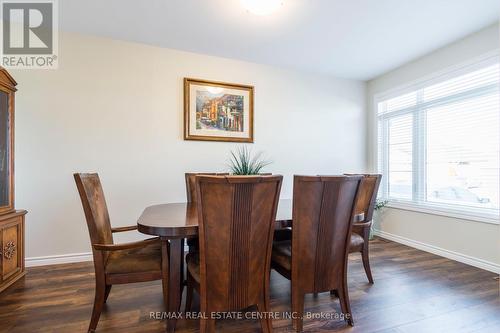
<point x="242" y="163"/>
<point x="379" y="204"/>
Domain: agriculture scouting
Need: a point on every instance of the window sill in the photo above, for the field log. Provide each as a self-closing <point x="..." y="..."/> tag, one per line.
<point x="447" y="213"/>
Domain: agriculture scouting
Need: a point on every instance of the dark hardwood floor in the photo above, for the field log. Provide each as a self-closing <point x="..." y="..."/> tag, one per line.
<point x="414" y="291"/>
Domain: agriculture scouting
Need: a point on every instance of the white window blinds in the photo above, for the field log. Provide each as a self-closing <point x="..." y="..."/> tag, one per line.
<point x="438" y="144"/>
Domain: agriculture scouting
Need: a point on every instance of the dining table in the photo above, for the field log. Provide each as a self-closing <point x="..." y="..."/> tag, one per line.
<point x="173" y="223"/>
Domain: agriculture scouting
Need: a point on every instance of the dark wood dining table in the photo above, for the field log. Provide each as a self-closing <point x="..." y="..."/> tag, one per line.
<point x="174" y="222"/>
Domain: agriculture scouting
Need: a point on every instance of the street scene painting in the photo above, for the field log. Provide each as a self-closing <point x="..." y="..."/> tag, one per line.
<point x="219" y="111"/>
<point x="216" y="111"/>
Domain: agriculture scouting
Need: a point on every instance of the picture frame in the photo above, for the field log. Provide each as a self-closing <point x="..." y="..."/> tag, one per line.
<point x="218" y="111"/>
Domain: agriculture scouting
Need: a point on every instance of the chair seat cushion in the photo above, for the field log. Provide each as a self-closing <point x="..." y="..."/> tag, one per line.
<point x="282" y="254"/>
<point x="193" y="243"/>
<point x="356" y="242"/>
<point x="282" y="250"/>
<point x="144" y="259"/>
<point x="282" y="235"/>
<point x="193" y="265"/>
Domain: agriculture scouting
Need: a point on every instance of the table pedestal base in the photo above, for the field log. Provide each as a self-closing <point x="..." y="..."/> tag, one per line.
<point x="172" y="267"/>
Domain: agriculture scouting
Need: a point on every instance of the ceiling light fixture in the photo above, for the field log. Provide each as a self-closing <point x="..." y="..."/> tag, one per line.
<point x="215" y="90"/>
<point x="262" y="7"/>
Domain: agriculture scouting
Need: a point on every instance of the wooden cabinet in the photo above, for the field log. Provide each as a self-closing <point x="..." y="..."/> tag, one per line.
<point x="11" y="220"/>
<point x="11" y="248"/>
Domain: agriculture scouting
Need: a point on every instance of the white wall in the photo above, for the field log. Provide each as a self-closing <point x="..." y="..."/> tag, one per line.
<point x="116" y="108"/>
<point x="474" y="242"/>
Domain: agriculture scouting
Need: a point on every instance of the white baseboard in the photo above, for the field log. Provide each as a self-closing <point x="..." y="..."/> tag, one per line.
<point x="480" y="263"/>
<point x="63" y="259"/>
<point x="58" y="259"/>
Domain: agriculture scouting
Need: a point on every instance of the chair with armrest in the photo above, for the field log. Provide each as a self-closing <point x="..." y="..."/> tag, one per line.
<point x="138" y="261"/>
<point x="315" y="259"/>
<point x="231" y="271"/>
<point x="365" y="204"/>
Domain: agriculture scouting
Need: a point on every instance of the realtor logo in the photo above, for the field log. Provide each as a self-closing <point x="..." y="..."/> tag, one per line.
<point x="29" y="34"/>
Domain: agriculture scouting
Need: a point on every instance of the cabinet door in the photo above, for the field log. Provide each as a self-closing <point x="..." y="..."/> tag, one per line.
<point x="5" y="153"/>
<point x="11" y="248"/>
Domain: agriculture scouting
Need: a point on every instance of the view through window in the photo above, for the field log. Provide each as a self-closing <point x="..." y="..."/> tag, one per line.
<point x="438" y="145"/>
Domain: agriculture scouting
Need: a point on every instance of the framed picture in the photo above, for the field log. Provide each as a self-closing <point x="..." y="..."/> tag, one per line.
<point x="217" y="111"/>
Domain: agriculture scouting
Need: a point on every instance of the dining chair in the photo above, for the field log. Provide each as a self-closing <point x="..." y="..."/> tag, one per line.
<point x="138" y="261"/>
<point x="365" y="204"/>
<point x="236" y="216"/>
<point x="315" y="259"/>
<point x="191" y="197"/>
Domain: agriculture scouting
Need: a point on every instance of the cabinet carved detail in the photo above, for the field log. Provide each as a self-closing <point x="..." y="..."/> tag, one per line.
<point x="9" y="250"/>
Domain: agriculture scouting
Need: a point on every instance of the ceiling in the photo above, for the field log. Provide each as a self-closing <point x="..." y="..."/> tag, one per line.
<point x="357" y="39"/>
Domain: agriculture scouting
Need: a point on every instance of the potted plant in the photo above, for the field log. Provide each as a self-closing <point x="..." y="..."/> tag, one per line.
<point x="379" y="204"/>
<point x="242" y="162"/>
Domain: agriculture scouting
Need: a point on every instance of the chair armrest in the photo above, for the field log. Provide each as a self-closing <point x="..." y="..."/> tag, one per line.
<point x="126" y="246"/>
<point x="361" y="228"/>
<point x="362" y="224"/>
<point x="122" y="229"/>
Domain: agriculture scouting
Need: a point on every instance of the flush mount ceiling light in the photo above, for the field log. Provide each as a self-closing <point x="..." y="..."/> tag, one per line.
<point x="262" y="7"/>
<point x="215" y="90"/>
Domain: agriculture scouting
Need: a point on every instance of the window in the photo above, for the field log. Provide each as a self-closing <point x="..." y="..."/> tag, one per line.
<point x="438" y="143"/>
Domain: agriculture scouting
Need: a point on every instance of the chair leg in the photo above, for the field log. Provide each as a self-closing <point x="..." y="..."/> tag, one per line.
<point x="100" y="291"/>
<point x="106" y="292"/>
<point x="266" y="321"/>
<point x="207" y="325"/>
<point x="297" y="309"/>
<point x="366" y="263"/>
<point x="344" y="303"/>
<point x="189" y="292"/>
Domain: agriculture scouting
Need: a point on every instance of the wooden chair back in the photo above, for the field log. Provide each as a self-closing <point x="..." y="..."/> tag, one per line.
<point x="236" y="225"/>
<point x="367" y="197"/>
<point x="94" y="206"/>
<point x="191" y="183"/>
<point x="323" y="211"/>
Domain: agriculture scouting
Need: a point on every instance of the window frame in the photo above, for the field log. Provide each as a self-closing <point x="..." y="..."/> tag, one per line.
<point x="418" y="183"/>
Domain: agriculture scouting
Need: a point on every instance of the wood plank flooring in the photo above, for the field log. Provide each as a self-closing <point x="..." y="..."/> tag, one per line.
<point x="414" y="291"/>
